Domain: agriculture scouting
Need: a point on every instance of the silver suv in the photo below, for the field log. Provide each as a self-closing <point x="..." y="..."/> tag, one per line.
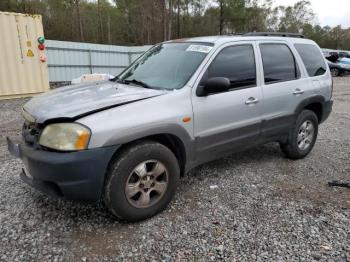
<point x="126" y="142"/>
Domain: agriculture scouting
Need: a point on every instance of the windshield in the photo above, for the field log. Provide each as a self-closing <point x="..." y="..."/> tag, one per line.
<point x="166" y="66"/>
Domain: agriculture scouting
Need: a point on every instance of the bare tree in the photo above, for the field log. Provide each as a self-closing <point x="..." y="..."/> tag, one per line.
<point x="170" y="19"/>
<point x="164" y="19"/>
<point x="80" y="22"/>
<point x="221" y="23"/>
<point x="178" y="20"/>
<point x="109" y="29"/>
<point x="100" y="25"/>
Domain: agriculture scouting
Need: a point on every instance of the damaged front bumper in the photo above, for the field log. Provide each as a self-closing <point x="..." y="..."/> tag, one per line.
<point x="72" y="175"/>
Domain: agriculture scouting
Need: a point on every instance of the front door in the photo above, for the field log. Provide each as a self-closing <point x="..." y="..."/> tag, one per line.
<point x="229" y="121"/>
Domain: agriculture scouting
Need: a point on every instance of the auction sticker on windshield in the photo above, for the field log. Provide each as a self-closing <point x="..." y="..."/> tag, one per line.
<point x="199" y="48"/>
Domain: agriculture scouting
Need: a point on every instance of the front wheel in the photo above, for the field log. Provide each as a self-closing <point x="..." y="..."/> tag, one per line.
<point x="141" y="181"/>
<point x="302" y="136"/>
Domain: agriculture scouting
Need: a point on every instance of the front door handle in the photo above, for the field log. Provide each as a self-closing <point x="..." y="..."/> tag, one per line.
<point x="251" y="100"/>
<point x="298" y="91"/>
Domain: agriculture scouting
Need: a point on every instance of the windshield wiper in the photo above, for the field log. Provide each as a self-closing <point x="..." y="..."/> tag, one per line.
<point x="114" y="79"/>
<point x="137" y="82"/>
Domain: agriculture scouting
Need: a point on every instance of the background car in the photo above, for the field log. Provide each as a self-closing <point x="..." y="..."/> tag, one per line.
<point x="336" y="69"/>
<point x="345" y="54"/>
<point x="338" y="63"/>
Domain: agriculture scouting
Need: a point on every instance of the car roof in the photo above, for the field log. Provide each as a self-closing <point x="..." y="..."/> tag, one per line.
<point x="222" y="39"/>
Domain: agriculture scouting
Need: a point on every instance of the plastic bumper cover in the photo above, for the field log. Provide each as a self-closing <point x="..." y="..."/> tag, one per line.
<point x="327" y="109"/>
<point x="71" y="175"/>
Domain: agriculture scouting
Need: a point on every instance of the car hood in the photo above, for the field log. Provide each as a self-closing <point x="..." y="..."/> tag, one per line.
<point x="79" y="100"/>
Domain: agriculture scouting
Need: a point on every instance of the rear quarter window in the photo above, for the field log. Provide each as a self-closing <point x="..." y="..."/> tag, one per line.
<point x="312" y="59"/>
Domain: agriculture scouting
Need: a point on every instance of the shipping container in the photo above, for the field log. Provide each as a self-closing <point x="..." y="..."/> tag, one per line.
<point x="23" y="66"/>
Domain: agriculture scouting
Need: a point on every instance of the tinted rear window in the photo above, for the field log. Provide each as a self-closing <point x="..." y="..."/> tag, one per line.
<point x="312" y="58"/>
<point x="279" y="63"/>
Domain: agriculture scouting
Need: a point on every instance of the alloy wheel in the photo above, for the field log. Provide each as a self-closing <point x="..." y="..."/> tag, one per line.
<point x="146" y="184"/>
<point x="305" y="135"/>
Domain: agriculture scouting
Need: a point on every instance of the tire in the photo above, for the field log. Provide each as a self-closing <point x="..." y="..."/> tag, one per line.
<point x="135" y="167"/>
<point x="295" y="148"/>
<point x="335" y="72"/>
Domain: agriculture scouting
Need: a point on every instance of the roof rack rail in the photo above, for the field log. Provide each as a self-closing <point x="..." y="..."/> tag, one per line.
<point x="296" y="35"/>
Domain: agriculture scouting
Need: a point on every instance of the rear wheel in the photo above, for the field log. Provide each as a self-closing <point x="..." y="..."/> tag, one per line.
<point x="141" y="181"/>
<point x="302" y="137"/>
<point x="335" y="72"/>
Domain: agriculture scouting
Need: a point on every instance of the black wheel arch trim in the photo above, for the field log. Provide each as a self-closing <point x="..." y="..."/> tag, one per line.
<point x="317" y="99"/>
<point x="162" y="129"/>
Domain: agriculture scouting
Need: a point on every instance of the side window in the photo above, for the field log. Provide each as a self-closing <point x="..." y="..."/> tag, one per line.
<point x="312" y="59"/>
<point x="236" y="63"/>
<point x="279" y="63"/>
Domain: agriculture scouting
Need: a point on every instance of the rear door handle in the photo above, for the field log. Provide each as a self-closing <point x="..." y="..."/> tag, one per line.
<point x="251" y="100"/>
<point x="298" y="91"/>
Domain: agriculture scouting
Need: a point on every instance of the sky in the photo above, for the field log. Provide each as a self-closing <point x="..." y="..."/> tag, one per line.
<point x="332" y="13"/>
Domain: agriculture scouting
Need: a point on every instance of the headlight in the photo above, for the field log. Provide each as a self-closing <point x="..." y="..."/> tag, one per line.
<point x="65" y="137"/>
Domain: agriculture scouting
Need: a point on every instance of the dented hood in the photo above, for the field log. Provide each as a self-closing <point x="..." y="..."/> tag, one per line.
<point x="78" y="100"/>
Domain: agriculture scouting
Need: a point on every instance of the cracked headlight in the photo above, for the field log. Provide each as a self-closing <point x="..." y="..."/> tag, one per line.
<point x="65" y="137"/>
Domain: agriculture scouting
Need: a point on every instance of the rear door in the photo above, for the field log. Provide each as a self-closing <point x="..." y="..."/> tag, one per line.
<point x="228" y="121"/>
<point x="284" y="87"/>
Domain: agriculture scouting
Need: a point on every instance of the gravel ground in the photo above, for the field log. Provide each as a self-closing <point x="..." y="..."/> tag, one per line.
<point x="265" y="207"/>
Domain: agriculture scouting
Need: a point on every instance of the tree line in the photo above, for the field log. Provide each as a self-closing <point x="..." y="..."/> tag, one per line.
<point x="143" y="22"/>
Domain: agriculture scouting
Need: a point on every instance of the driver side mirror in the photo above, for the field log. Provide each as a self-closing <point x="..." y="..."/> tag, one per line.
<point x="213" y="85"/>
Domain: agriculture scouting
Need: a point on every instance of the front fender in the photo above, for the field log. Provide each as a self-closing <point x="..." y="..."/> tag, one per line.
<point x="136" y="133"/>
<point x="133" y="134"/>
<point x="159" y="115"/>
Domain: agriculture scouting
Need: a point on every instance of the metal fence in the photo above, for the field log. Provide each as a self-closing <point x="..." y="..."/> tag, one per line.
<point x="69" y="60"/>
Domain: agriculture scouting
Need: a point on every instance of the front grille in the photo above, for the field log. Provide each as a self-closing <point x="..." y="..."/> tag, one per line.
<point x="30" y="133"/>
